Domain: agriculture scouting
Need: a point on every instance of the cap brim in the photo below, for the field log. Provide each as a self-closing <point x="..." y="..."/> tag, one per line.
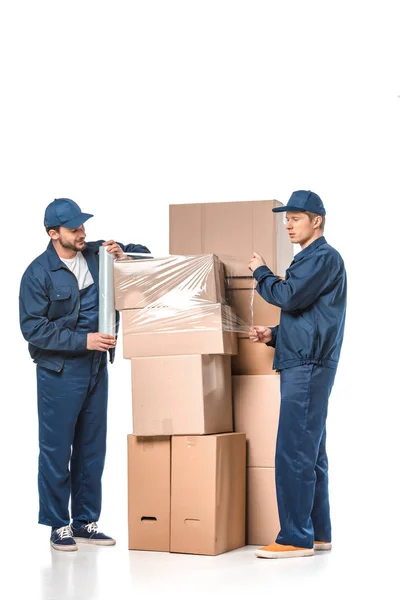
<point x="77" y="221"/>
<point x="287" y="208"/>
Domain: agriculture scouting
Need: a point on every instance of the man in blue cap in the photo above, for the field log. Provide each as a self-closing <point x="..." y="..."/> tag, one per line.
<point x="307" y="343"/>
<point x="59" y="309"/>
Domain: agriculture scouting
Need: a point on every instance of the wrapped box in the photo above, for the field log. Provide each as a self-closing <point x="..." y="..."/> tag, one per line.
<point x="248" y="305"/>
<point x="169" y="331"/>
<point x="179" y="281"/>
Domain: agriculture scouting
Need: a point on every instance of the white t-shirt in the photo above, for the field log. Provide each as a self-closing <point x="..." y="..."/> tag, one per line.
<point x="78" y="266"/>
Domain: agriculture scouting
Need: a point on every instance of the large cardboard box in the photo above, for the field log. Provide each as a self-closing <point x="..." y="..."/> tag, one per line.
<point x="171" y="281"/>
<point x="177" y="395"/>
<point x="253" y="359"/>
<point x="169" y="331"/>
<point x="208" y="493"/>
<point x="149" y="493"/>
<point x="232" y="231"/>
<point x="256" y="404"/>
<point x="262" y="507"/>
<point x="190" y="498"/>
<point x="249" y="306"/>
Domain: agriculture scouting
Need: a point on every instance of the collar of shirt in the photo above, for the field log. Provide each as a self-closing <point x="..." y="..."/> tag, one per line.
<point x="53" y="258"/>
<point x="309" y="249"/>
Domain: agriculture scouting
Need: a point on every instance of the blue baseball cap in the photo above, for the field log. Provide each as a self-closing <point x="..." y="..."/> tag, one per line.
<point x="64" y="212"/>
<point x="303" y="200"/>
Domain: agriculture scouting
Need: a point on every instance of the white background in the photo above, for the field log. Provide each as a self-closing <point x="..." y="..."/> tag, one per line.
<point x="127" y="107"/>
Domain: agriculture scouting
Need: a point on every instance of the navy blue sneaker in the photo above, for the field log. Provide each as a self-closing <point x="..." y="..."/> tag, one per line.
<point x="61" y="539"/>
<point x="90" y="534"/>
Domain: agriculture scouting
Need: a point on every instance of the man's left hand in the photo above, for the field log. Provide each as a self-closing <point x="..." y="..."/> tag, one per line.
<point x="115" y="249"/>
<point x="256" y="261"/>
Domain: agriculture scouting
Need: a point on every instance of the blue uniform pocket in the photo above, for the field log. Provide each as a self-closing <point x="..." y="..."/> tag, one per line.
<point x="60" y="302"/>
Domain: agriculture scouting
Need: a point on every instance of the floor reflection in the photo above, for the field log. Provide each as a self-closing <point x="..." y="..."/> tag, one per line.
<point x="71" y="575"/>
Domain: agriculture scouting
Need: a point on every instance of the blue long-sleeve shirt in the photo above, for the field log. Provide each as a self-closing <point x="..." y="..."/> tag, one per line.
<point x="312" y="298"/>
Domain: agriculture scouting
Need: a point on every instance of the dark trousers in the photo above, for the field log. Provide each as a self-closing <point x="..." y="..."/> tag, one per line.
<point x="301" y="462"/>
<point x="72" y="413"/>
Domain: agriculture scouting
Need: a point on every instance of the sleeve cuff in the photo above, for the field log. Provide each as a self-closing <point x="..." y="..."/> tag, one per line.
<point x="261" y="271"/>
<point x="81" y="342"/>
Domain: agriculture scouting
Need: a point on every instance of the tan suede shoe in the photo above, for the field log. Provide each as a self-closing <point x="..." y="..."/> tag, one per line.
<point x="282" y="551"/>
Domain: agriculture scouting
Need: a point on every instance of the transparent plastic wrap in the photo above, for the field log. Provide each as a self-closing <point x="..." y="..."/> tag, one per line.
<point x="179" y="281"/>
<point x="180" y="295"/>
<point x="106" y="296"/>
<point x="250" y="308"/>
<point x="172" y="287"/>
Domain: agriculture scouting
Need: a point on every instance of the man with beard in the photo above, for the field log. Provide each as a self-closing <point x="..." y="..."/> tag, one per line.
<point x="59" y="309"/>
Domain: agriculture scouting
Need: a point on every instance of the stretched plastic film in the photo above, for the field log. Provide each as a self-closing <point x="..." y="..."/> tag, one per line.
<point x="177" y="294"/>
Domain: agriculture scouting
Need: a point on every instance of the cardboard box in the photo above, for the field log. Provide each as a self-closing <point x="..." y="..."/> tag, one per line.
<point x="232" y="231"/>
<point x="199" y="507"/>
<point x="167" y="331"/>
<point x="256" y="404"/>
<point x="208" y="493"/>
<point x="179" y="281"/>
<point x="177" y="395"/>
<point x="249" y="306"/>
<point x="253" y="359"/>
<point x="185" y="229"/>
<point x="149" y="493"/>
<point x="262" y="508"/>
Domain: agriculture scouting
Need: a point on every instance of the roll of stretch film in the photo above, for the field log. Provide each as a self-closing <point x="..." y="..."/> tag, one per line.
<point x="106" y="292"/>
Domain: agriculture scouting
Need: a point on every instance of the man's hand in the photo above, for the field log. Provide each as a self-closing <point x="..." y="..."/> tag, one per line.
<point x="261" y="334"/>
<point x="100" y="341"/>
<point x="256" y="261"/>
<point x="115" y="249"/>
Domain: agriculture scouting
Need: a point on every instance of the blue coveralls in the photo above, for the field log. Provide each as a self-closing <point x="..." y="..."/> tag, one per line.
<point x="72" y="385"/>
<point x="72" y="408"/>
<point x="307" y="345"/>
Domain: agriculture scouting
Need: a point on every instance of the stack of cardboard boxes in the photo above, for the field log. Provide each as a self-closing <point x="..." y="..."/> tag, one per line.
<point x="232" y="231"/>
<point x="186" y="466"/>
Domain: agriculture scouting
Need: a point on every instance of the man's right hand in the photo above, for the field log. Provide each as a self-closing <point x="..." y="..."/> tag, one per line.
<point x="261" y="334"/>
<point x="100" y="341"/>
